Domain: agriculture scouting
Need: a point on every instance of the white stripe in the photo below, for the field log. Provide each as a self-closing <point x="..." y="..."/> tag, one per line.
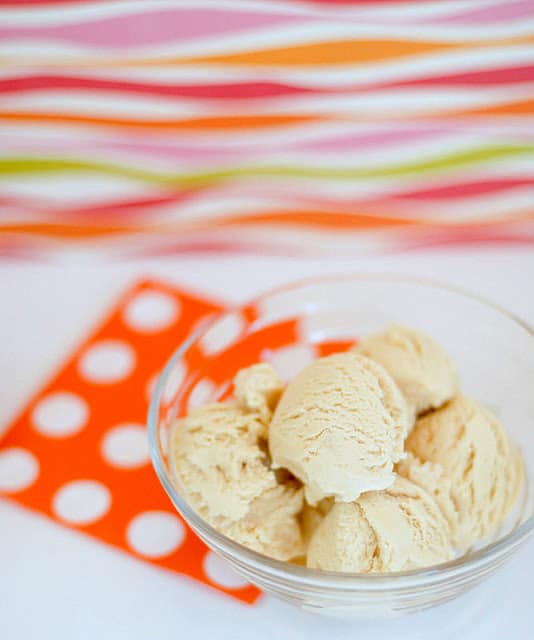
<point x="75" y="189"/>
<point x="101" y="104"/>
<point x="393" y="102"/>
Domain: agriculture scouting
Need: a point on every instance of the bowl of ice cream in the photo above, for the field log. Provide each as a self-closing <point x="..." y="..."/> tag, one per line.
<point x="355" y="445"/>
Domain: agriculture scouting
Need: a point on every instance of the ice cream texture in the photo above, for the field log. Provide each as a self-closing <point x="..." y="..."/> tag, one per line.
<point x="220" y="459"/>
<point x="339" y="427"/>
<point x="397" y="529"/>
<point x="326" y="473"/>
<point x="462" y="456"/>
<point x="419" y="365"/>
<point x="257" y="389"/>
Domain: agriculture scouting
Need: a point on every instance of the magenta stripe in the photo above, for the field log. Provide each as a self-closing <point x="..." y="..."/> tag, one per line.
<point x="209" y="91"/>
<point x="242" y="91"/>
<point x="156" y="27"/>
<point x="472" y="79"/>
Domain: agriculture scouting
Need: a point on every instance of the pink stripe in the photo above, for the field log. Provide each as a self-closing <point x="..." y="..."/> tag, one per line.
<point x="461" y="237"/>
<point x="213" y="245"/>
<point x="377" y="138"/>
<point x="472" y="79"/>
<point x="348" y="142"/>
<point x="506" y="11"/>
<point x="465" y="189"/>
<point x="158" y="27"/>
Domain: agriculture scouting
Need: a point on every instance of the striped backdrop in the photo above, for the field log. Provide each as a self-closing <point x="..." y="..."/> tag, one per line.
<point x="134" y="127"/>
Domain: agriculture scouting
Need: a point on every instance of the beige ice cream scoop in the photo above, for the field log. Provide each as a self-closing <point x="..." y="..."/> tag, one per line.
<point x="397" y="529"/>
<point x="419" y="365"/>
<point x="339" y="427"/>
<point x="258" y="389"/>
<point x="219" y="456"/>
<point x="463" y="457"/>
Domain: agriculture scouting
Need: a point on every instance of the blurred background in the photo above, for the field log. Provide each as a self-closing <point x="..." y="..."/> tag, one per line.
<point x="221" y="148"/>
<point x="303" y="128"/>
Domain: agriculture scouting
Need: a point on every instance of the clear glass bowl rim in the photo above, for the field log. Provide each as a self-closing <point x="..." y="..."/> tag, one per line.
<point x="316" y="578"/>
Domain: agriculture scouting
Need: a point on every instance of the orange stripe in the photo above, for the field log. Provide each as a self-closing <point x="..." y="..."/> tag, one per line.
<point x="320" y="53"/>
<point x="321" y="219"/>
<point x="333" y="220"/>
<point x="68" y="231"/>
<point x="315" y="53"/>
<point x="338" y="52"/>
<point x="520" y="107"/>
<point x="208" y="122"/>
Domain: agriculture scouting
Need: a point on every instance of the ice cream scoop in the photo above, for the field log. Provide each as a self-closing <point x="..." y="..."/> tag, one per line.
<point x="419" y="365"/>
<point x="219" y="457"/>
<point x="339" y="427"/>
<point x="258" y="389"/>
<point x="397" y="529"/>
<point x="462" y="456"/>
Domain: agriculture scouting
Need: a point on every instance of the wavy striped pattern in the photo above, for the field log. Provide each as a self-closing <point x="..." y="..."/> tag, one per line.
<point x="306" y="127"/>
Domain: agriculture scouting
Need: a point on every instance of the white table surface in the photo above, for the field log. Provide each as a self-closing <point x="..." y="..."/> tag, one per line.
<point x="55" y="583"/>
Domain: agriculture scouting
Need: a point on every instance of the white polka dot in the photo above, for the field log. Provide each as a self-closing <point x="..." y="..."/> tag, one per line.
<point x="18" y="469"/>
<point x="155" y="533"/>
<point x="174" y="382"/>
<point x="60" y="414"/>
<point x="202" y="392"/>
<point x="151" y="311"/>
<point x="126" y="446"/>
<point x="289" y="361"/>
<point x="221" y="573"/>
<point x="221" y="335"/>
<point x="107" y="361"/>
<point x="82" y="501"/>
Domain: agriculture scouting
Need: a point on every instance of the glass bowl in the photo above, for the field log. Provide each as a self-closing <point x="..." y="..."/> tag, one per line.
<point x="494" y="353"/>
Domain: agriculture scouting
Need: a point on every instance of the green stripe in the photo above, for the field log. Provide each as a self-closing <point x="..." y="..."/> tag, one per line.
<point x="21" y="166"/>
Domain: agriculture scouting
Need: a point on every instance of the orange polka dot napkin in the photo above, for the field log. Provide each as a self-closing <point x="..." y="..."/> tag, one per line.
<point x="78" y="451"/>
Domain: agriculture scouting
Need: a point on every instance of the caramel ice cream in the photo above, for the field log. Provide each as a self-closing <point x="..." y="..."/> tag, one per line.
<point x="220" y="459"/>
<point x="419" y="365"/>
<point x="462" y="456"/>
<point x="339" y="427"/>
<point x="397" y="529"/>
